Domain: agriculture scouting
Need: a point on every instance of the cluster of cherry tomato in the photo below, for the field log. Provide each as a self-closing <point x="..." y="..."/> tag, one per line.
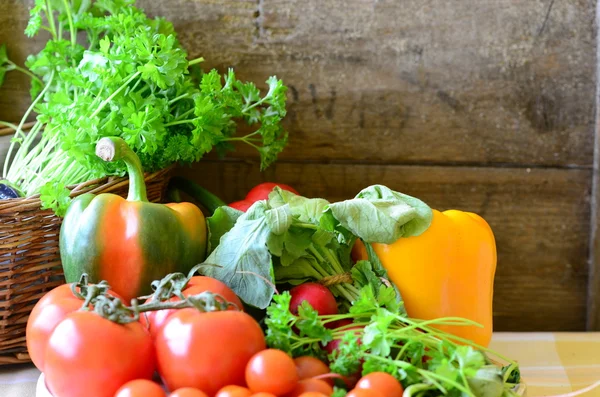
<point x="272" y="373"/>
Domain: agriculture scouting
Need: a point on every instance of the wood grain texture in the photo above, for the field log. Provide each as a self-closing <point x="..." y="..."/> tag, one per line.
<point x="427" y="81"/>
<point x="387" y="81"/>
<point x="540" y="218"/>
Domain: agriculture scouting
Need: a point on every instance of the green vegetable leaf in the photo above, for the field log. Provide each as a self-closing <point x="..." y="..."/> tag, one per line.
<point x="35" y="18"/>
<point x="381" y="215"/>
<point x="279" y="220"/>
<point x="221" y="221"/>
<point x="56" y="197"/>
<point x="345" y="360"/>
<point x="279" y="322"/>
<point x="377" y="336"/>
<point x="243" y="259"/>
<point x="299" y="271"/>
<point x="339" y="392"/>
<point x="310" y="324"/>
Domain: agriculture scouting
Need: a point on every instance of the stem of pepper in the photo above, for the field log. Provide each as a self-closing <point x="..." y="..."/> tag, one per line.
<point x="113" y="149"/>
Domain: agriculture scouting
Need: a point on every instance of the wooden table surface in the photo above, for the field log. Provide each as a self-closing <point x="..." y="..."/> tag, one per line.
<point x="551" y="364"/>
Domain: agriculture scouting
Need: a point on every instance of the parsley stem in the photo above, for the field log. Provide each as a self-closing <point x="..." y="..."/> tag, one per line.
<point x="25" y="116"/>
<point x="178" y="122"/>
<point x="195" y="61"/>
<point x="71" y="24"/>
<point x="185" y="114"/>
<point x="182" y="96"/>
<point x="50" y="16"/>
<point x="27" y="72"/>
<point x="114" y="94"/>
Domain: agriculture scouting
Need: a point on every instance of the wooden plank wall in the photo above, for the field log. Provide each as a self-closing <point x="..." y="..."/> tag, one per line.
<point x="486" y="106"/>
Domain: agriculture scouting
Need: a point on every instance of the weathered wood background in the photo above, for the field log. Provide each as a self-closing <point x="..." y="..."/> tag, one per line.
<point x="487" y="106"/>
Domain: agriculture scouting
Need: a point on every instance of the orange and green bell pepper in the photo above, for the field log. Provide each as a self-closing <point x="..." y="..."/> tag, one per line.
<point x="447" y="271"/>
<point x="129" y="242"/>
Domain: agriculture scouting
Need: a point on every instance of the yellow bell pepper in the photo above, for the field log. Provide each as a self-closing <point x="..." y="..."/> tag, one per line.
<point x="446" y="271"/>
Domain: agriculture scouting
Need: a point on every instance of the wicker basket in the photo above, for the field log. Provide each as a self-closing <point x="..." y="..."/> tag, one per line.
<point x="29" y="256"/>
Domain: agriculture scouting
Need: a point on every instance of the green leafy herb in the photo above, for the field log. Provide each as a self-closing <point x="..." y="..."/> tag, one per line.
<point x="130" y="77"/>
<point x="55" y="197"/>
<point x="380" y="338"/>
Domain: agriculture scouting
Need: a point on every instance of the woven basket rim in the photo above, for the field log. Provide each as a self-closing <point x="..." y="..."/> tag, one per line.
<point x="104" y="184"/>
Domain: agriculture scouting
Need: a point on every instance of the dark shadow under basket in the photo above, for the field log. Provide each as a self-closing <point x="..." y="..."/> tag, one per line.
<point x="29" y="256"/>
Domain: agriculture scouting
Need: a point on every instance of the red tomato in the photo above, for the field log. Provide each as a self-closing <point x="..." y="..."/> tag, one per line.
<point x="45" y="316"/>
<point x="188" y="392"/>
<point x="271" y="371"/>
<point x="314" y="394"/>
<point x="140" y="388"/>
<point x="88" y="355"/>
<point x="309" y="367"/>
<point x="311" y="385"/>
<point x="207" y="350"/>
<point x="196" y="285"/>
<point x="261" y="191"/>
<point x="234" y="391"/>
<point x="364" y="393"/>
<point x="263" y="394"/>
<point x="381" y="382"/>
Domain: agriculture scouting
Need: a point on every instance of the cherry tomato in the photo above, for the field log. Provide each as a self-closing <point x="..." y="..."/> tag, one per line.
<point x="314" y="394"/>
<point x="196" y="285"/>
<point x="207" y="350"/>
<point x="140" y="388"/>
<point x="364" y="393"/>
<point x="263" y="394"/>
<point x="88" y="355"/>
<point x="234" y="391"/>
<point x="309" y="367"/>
<point x="310" y="385"/>
<point x="271" y="371"/>
<point x="45" y="316"/>
<point x="188" y="392"/>
<point x="382" y="382"/>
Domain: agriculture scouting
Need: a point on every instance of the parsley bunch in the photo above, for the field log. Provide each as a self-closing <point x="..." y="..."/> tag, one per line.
<point x="109" y="70"/>
<point x="427" y="361"/>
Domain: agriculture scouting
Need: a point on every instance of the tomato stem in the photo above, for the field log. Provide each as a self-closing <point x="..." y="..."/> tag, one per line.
<point x="113" y="309"/>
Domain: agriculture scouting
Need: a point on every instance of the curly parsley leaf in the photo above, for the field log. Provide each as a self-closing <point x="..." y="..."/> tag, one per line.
<point x="56" y="197"/>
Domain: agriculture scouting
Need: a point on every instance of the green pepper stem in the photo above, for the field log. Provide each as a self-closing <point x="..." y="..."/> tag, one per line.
<point x="113" y="149"/>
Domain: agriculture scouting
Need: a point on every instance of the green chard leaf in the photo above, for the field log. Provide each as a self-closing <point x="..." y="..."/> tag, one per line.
<point x="221" y="221"/>
<point x="380" y="215"/>
<point x="242" y="259"/>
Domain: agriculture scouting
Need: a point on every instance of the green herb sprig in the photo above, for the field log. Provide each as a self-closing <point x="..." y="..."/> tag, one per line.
<point x="426" y="360"/>
<point x="109" y="70"/>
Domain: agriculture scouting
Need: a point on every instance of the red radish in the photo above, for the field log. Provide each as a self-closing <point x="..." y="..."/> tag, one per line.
<point x="318" y="296"/>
